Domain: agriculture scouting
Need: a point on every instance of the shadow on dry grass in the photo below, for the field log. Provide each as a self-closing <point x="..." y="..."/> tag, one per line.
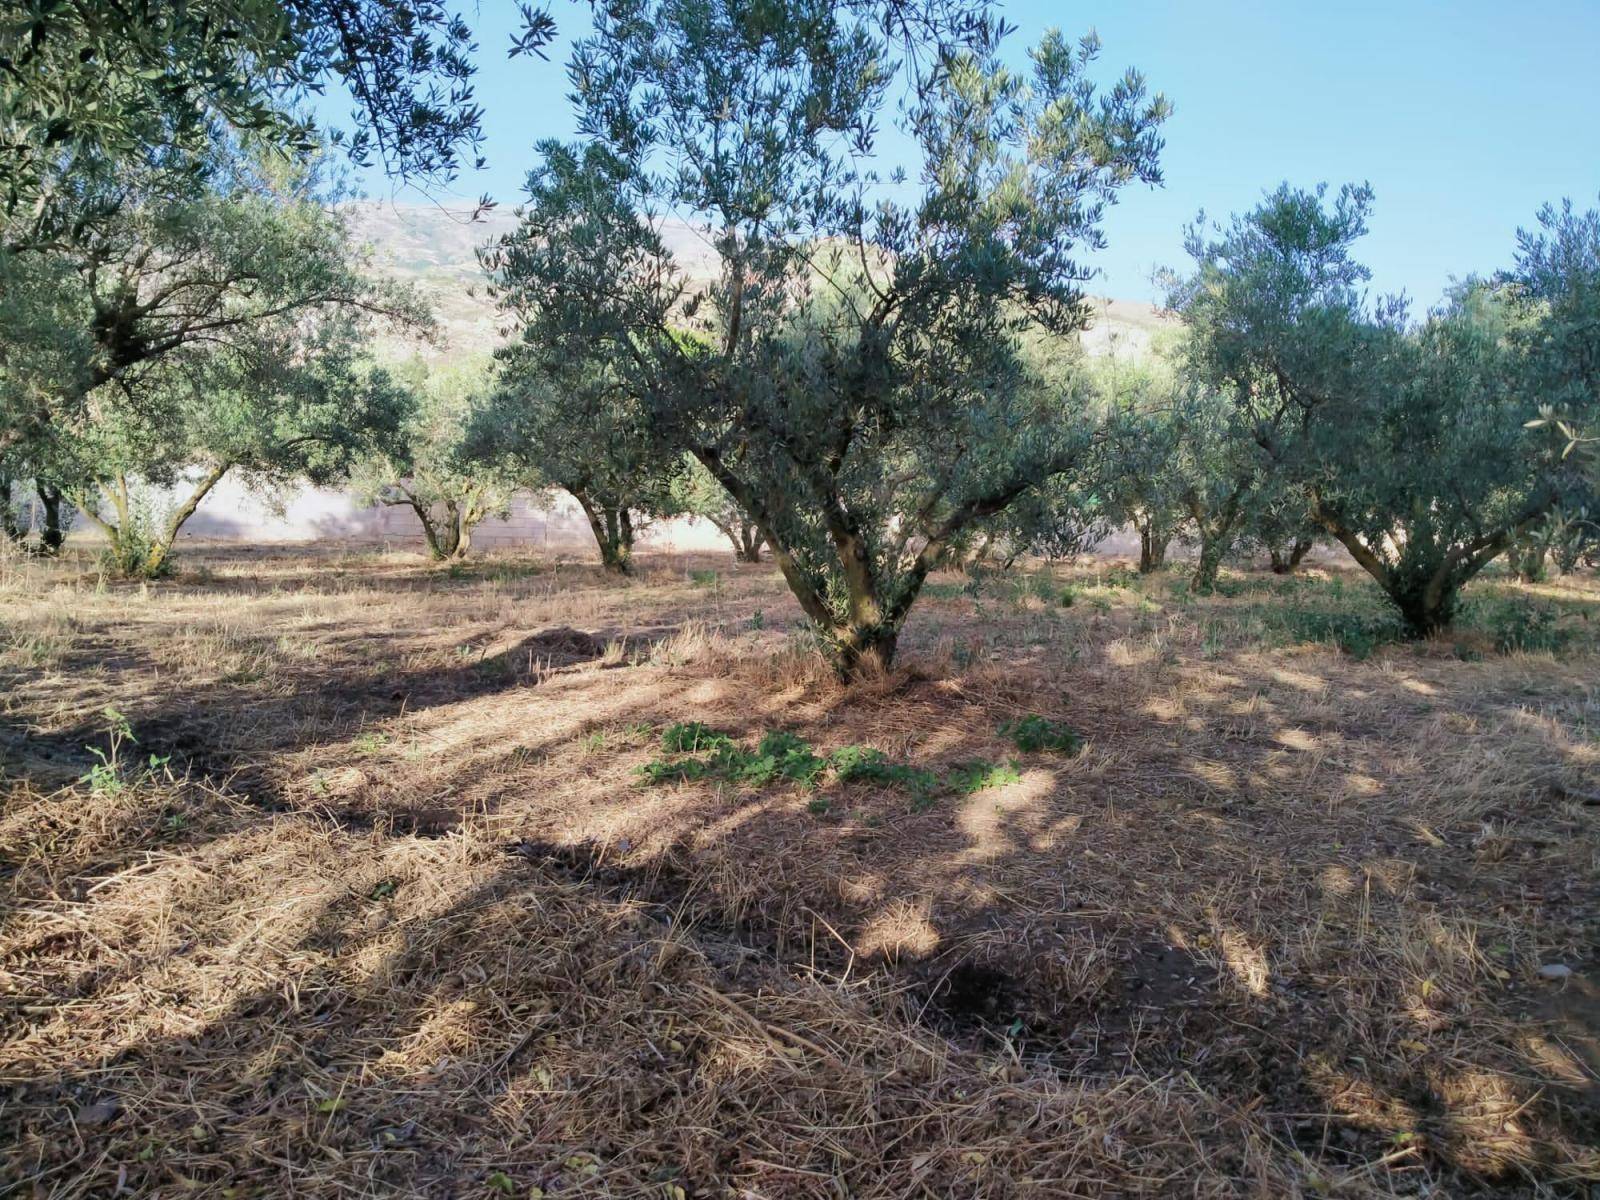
<point x="412" y="925"/>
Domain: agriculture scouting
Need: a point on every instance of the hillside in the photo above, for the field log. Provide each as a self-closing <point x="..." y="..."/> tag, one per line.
<point x="435" y="249"/>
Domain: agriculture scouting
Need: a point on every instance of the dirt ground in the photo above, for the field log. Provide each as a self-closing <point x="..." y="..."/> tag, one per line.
<point x="370" y="895"/>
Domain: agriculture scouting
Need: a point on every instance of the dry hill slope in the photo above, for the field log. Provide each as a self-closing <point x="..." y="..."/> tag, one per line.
<point x="435" y="249"/>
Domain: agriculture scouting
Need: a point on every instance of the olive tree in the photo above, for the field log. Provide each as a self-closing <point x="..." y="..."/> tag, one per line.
<point x="214" y="332"/>
<point x="124" y="305"/>
<point x="580" y="433"/>
<point x="850" y="369"/>
<point x="1406" y="437"/>
<point x="1556" y="281"/>
<point x="296" y="403"/>
<point x="1179" y="464"/>
<point x="1140" y="487"/>
<point x="426" y="465"/>
<point x="696" y="494"/>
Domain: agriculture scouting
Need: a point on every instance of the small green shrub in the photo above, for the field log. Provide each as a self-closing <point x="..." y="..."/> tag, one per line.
<point x="1041" y="587"/>
<point x="697" y="752"/>
<point x="1033" y="733"/>
<point x="782" y="755"/>
<point x="779" y="755"/>
<point x="1520" y="625"/>
<point x="980" y="774"/>
<point x="114" y="770"/>
<point x="704" y="578"/>
<point x="1358" y="634"/>
<point x="136" y="552"/>
<point x="691" y="737"/>
<point x="859" y="762"/>
<point x="1119" y="576"/>
<point x="864" y="764"/>
<point x="674" y="770"/>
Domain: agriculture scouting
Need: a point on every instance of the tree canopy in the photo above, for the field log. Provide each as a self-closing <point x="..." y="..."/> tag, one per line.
<point x="853" y="373"/>
<point x="94" y="91"/>
<point x="426" y="465"/>
<point x="226" y="330"/>
<point x="1408" y="438"/>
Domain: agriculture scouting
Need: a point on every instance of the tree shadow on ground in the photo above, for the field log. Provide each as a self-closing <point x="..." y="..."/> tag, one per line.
<point x="1280" y="921"/>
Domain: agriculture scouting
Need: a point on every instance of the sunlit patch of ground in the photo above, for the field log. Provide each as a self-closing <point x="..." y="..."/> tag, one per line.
<point x="391" y="911"/>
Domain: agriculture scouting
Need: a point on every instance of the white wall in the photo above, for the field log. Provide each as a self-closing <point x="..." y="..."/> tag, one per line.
<point x="234" y="513"/>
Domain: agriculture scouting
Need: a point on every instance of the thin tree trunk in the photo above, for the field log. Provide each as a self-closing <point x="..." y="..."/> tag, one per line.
<point x="1285" y="563"/>
<point x="163" y="546"/>
<point x="463" y="545"/>
<point x="1152" y="548"/>
<point x="51" y="531"/>
<point x="92" y="513"/>
<point x="613" y="533"/>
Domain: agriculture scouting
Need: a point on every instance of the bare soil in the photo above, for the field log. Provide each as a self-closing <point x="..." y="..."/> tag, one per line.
<point x="375" y="902"/>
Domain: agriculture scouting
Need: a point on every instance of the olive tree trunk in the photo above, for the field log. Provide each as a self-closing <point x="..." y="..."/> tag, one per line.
<point x="857" y="605"/>
<point x="448" y="536"/>
<point x="1422" y="582"/>
<point x="1216" y="527"/>
<point x="1284" y="562"/>
<point x="9" y="525"/>
<point x="612" y="525"/>
<point x="745" y="536"/>
<point x="137" y="550"/>
<point x="1153" y="543"/>
<point x="52" y="531"/>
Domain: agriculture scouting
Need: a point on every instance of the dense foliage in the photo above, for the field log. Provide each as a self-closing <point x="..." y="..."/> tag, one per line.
<point x="1408" y="439"/>
<point x="91" y="92"/>
<point x="427" y="466"/>
<point x="576" y="431"/>
<point x="852" y="374"/>
<point x="185" y="338"/>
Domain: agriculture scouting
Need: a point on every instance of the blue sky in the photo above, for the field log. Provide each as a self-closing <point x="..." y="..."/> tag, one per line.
<point x="1465" y="117"/>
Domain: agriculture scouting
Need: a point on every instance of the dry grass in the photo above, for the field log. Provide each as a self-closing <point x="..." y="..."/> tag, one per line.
<point x="396" y="916"/>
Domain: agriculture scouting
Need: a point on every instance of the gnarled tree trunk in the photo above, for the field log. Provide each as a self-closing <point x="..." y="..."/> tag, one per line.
<point x="1427" y="594"/>
<point x="150" y="560"/>
<point x="52" y="532"/>
<point x="1152" y="546"/>
<point x="745" y="537"/>
<point x="612" y="526"/>
<point x="448" y="537"/>
<point x="1216" y="529"/>
<point x="1284" y="561"/>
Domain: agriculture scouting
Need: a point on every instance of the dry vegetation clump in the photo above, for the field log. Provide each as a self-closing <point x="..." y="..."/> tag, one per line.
<point x="394" y="912"/>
